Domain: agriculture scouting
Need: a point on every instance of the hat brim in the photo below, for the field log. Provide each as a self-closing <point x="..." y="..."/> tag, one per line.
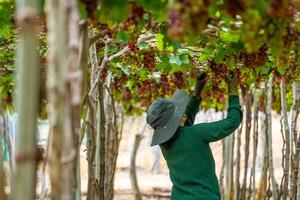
<point x="163" y="134"/>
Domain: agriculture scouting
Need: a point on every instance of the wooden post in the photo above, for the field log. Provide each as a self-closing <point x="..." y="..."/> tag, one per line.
<point x="269" y="131"/>
<point x="255" y="142"/>
<point x="28" y="77"/>
<point x="287" y="142"/>
<point x="59" y="109"/>
<point x="133" y="176"/>
<point x="247" y="140"/>
<point x="2" y="180"/>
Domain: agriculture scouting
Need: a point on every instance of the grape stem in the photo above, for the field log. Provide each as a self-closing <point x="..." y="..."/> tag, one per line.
<point x="107" y="59"/>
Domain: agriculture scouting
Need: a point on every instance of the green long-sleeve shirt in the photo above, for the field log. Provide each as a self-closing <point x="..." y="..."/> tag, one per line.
<point x="189" y="157"/>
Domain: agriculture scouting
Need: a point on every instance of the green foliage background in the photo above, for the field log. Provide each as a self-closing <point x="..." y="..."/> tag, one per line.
<point x="254" y="38"/>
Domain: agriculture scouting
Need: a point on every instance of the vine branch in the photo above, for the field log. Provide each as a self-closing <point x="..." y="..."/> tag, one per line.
<point x="107" y="59"/>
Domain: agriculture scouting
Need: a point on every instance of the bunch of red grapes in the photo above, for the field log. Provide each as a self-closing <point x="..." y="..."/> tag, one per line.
<point x="149" y="60"/>
<point x="179" y="80"/>
<point x="118" y="83"/>
<point x="127" y="96"/>
<point x="234" y="7"/>
<point x="282" y="8"/>
<point x="256" y="59"/>
<point x="164" y="84"/>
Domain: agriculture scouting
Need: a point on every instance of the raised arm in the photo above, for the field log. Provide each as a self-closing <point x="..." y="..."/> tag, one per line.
<point x="193" y="106"/>
<point x="191" y="110"/>
<point x="218" y="130"/>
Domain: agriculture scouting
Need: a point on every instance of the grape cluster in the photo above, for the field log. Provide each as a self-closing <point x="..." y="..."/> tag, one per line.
<point x="143" y="88"/>
<point x="127" y="96"/>
<point x="214" y="79"/>
<point x="241" y="80"/>
<point x="282" y="8"/>
<point x="118" y="83"/>
<point x="218" y="70"/>
<point x="147" y="90"/>
<point x="256" y="59"/>
<point x="149" y="60"/>
<point x="164" y="83"/>
<point x="179" y="80"/>
<point x="234" y="7"/>
<point x="133" y="47"/>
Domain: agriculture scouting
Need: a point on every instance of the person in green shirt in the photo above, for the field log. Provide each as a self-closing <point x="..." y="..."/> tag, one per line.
<point x="185" y="145"/>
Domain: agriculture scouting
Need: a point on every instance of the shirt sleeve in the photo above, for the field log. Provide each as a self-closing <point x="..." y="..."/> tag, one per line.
<point x="191" y="110"/>
<point x="218" y="130"/>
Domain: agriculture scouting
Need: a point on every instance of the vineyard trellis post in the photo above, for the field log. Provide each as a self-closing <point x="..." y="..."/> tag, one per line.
<point x="269" y="141"/>
<point x="286" y="141"/>
<point x="256" y="93"/>
<point x="133" y="174"/>
<point x="28" y="77"/>
<point x="2" y="180"/>
<point x="248" y="102"/>
<point x="238" y="158"/>
<point x="64" y="96"/>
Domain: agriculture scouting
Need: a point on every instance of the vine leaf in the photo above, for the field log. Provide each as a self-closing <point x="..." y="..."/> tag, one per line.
<point x="122" y="36"/>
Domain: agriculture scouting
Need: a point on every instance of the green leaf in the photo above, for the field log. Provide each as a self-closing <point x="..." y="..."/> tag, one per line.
<point x="163" y="64"/>
<point x="143" y="45"/>
<point x="122" y="36"/>
<point x="113" y="49"/>
<point x="220" y="55"/>
<point x="160" y="41"/>
<point x="185" y="58"/>
<point x="264" y="70"/>
<point x="156" y="7"/>
<point x="114" y="11"/>
<point x="229" y="36"/>
<point x="281" y="70"/>
<point x="207" y="53"/>
<point x="175" y="59"/>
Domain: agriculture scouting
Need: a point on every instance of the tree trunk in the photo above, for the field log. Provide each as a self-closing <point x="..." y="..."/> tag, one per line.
<point x="295" y="113"/>
<point x="238" y="162"/>
<point x="229" y="166"/>
<point x="133" y="176"/>
<point x="2" y="180"/>
<point x="286" y="136"/>
<point x="247" y="140"/>
<point x="222" y="172"/>
<point x="261" y="190"/>
<point x="255" y="141"/>
<point x="101" y="145"/>
<point x="63" y="95"/>
<point x="91" y="127"/>
<point x="83" y="64"/>
<point x="269" y="132"/>
<point x="91" y="149"/>
<point x="75" y="89"/>
<point x="24" y="179"/>
<point x="8" y="139"/>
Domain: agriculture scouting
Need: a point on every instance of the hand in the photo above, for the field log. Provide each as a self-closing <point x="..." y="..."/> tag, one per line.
<point x="232" y="83"/>
<point x="201" y="80"/>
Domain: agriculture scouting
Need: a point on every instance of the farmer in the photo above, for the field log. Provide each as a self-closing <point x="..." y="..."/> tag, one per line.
<point x="185" y="146"/>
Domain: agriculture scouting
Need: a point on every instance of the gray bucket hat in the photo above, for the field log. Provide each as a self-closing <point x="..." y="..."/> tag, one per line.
<point x="164" y="116"/>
